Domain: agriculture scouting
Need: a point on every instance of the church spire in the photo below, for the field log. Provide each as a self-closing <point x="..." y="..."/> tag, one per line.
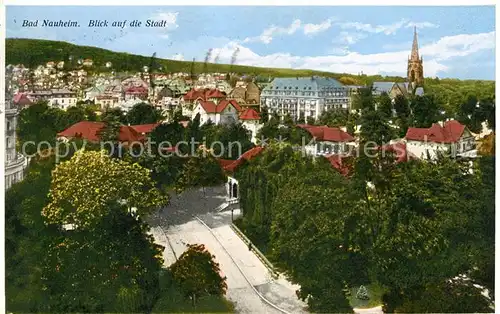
<point x="414" y="48"/>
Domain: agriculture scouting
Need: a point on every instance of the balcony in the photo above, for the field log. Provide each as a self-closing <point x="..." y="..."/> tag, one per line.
<point x="19" y="160"/>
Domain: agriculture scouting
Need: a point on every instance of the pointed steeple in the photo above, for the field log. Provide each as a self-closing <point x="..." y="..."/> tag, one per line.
<point x="414" y="48"/>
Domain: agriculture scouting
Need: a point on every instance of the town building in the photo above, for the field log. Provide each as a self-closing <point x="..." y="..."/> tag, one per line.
<point x="62" y="98"/>
<point x="136" y="93"/>
<point x="15" y="163"/>
<point x="414" y="78"/>
<point x="250" y="119"/>
<point x="230" y="166"/>
<point x="106" y="102"/>
<point x="87" y="63"/>
<point x="305" y="97"/>
<point x="327" y="140"/>
<point x="22" y="101"/>
<point x="92" y="92"/>
<point x="90" y="131"/>
<point x="189" y="101"/>
<point x="344" y="162"/>
<point x="223" y="112"/>
<point x="450" y="138"/>
<point x="246" y="94"/>
<point x="145" y="129"/>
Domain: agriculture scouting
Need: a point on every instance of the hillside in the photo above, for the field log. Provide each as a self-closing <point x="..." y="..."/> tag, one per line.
<point x="33" y="52"/>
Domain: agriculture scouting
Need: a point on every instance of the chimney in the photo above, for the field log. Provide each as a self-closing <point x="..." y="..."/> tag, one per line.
<point x="441" y="123"/>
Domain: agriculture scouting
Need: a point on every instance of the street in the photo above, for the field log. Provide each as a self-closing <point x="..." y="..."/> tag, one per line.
<point x="249" y="281"/>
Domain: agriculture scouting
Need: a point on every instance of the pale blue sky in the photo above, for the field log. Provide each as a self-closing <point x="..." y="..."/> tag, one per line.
<point x="456" y="42"/>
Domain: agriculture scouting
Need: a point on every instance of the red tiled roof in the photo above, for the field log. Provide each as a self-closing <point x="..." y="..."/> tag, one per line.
<point x="136" y="90"/>
<point x="250" y="114"/>
<point x="449" y="133"/>
<point x="89" y="130"/>
<point x="400" y="152"/>
<point x="236" y="105"/>
<point x="208" y="106"/>
<point x="339" y="162"/>
<point x="128" y="134"/>
<point x="203" y="94"/>
<point x="22" y="99"/>
<point x="225" y="162"/>
<point x="325" y="133"/>
<point x="145" y="128"/>
<point x="246" y="156"/>
<point x="224" y="103"/>
<point x="211" y="107"/>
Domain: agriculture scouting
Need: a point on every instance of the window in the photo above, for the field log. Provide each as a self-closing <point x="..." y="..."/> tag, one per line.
<point x="8" y="125"/>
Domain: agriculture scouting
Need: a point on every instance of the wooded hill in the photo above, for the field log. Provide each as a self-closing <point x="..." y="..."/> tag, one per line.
<point x="34" y="52"/>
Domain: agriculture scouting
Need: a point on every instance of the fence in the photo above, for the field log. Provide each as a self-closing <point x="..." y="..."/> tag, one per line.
<point x="258" y="253"/>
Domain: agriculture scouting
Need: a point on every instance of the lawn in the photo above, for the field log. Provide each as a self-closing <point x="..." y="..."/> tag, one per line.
<point x="375" y="292"/>
<point x="175" y="303"/>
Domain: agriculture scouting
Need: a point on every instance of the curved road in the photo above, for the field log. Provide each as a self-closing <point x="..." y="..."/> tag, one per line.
<point x="175" y="226"/>
<point x="239" y="290"/>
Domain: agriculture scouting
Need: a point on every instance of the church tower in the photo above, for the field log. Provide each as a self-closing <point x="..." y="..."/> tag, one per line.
<point x="415" y="64"/>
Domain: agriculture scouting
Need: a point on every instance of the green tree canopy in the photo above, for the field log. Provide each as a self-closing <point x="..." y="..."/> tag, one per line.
<point x="144" y="113"/>
<point x="198" y="274"/>
<point x="84" y="187"/>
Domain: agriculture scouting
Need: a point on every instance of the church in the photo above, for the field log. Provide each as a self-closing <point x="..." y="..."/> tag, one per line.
<point x="414" y="76"/>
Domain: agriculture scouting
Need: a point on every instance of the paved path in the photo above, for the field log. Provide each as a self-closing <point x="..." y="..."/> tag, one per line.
<point x="176" y="226"/>
<point x="373" y="310"/>
<point x="239" y="290"/>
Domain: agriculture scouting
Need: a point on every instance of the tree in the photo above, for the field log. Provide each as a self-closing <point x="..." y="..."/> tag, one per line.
<point x="486" y="145"/>
<point x="144" y="113"/>
<point x="101" y="271"/>
<point x="114" y="114"/>
<point x="50" y="270"/>
<point x="363" y="99"/>
<point x="334" y="118"/>
<point x="201" y="170"/>
<point x="403" y="114"/>
<point x="384" y="105"/>
<point x="310" y="242"/>
<point x="198" y="274"/>
<point x="193" y="131"/>
<point x="288" y="121"/>
<point x="75" y="114"/>
<point x="84" y="188"/>
<point x="425" y="111"/>
<point x="233" y="140"/>
<point x="264" y="115"/>
<point x="39" y="123"/>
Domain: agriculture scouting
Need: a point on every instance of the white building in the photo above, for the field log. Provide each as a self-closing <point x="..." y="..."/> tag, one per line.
<point x="15" y="163"/>
<point x="327" y="140"/>
<point x="225" y="112"/>
<point x="250" y="119"/>
<point x="304" y="97"/>
<point x="106" y="101"/>
<point x="450" y="138"/>
<point x="62" y="98"/>
<point x="87" y="62"/>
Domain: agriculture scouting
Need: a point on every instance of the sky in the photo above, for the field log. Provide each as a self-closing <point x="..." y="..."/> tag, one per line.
<point x="455" y="42"/>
